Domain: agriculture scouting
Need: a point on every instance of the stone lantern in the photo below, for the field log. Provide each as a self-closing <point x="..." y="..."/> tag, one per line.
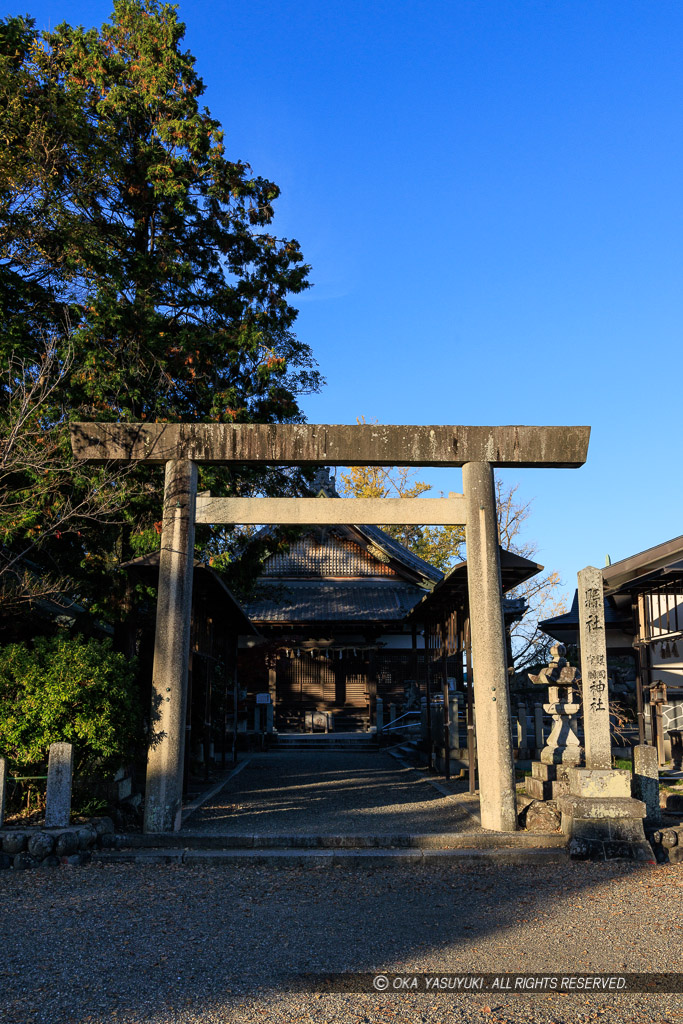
<point x="563" y="748"/>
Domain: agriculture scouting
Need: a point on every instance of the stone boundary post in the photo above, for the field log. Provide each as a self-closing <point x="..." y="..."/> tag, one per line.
<point x="454" y="721"/>
<point x="522" y="731"/>
<point x="59" y="775"/>
<point x="646" y="780"/>
<point x="538" y="728"/>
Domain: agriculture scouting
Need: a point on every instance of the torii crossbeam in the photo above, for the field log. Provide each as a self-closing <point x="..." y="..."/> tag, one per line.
<point x="477" y="449"/>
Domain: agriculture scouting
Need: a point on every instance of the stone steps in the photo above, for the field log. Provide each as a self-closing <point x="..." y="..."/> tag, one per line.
<point x="325" y="741"/>
<point x="409" y="749"/>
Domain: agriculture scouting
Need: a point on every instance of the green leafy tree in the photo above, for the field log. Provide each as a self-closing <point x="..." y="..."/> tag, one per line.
<point x="72" y="690"/>
<point x="127" y="233"/>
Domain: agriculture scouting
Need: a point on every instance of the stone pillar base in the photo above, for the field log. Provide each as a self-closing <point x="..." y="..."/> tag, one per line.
<point x="458" y="763"/>
<point x="548" y="781"/>
<point x="646" y="781"/>
<point x="601" y="819"/>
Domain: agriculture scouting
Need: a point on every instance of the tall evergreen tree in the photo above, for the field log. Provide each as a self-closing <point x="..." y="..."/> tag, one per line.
<point x="126" y="229"/>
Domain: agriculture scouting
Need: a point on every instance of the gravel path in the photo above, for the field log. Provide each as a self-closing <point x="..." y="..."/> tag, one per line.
<point x="168" y="945"/>
<point x="333" y="793"/>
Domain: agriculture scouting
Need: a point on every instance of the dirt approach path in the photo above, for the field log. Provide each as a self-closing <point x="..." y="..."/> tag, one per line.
<point x="321" y="792"/>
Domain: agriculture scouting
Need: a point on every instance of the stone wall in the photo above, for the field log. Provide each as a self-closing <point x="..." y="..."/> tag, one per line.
<point x="36" y="846"/>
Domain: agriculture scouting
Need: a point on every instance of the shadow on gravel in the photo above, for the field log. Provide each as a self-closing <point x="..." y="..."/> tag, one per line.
<point x="157" y="944"/>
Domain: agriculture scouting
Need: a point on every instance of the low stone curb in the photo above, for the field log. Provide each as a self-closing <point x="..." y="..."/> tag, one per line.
<point x="331" y="858"/>
<point x="209" y="794"/>
<point x="425" y="777"/>
<point x="424" y="841"/>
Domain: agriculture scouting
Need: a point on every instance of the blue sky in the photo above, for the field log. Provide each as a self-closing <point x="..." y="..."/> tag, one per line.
<point x="490" y="195"/>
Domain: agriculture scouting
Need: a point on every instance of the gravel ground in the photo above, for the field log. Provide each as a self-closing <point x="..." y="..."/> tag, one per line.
<point x="333" y="793"/>
<point x="133" y="944"/>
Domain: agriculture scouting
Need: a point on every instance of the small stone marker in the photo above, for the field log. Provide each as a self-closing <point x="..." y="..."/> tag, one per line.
<point x="379" y="714"/>
<point x="3" y="788"/>
<point x="538" y="728"/>
<point x="522" y="737"/>
<point x="319" y="720"/>
<point x="59" y="772"/>
<point x="453" y="721"/>
<point x="646" y="780"/>
<point x="594" y="680"/>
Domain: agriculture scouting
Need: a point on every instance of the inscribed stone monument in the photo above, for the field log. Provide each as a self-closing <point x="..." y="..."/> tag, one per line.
<point x="594" y="669"/>
<point x="598" y="813"/>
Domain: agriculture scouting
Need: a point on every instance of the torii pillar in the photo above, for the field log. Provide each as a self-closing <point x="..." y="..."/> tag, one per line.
<point x="497" y="792"/>
<point x="165" y="758"/>
<point x="476" y="449"/>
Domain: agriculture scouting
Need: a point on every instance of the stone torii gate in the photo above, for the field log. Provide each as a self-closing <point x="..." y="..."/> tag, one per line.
<point x="476" y="449"/>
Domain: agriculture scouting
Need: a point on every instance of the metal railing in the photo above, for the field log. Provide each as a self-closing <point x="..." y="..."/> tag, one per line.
<point x="394" y="727"/>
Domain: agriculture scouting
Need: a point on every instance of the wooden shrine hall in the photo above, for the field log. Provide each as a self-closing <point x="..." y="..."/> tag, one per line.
<point x="349" y="614"/>
<point x="332" y="608"/>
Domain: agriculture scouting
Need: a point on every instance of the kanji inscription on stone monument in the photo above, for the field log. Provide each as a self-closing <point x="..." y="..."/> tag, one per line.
<point x="594" y="669"/>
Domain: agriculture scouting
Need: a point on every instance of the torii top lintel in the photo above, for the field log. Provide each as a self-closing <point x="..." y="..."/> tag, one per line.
<point x="365" y="444"/>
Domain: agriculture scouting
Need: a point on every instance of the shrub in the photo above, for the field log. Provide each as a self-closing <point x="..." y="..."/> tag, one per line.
<point x="69" y="689"/>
